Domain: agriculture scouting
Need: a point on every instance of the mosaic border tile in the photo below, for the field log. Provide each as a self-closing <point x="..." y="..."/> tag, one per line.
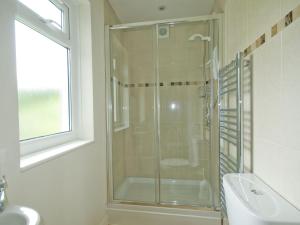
<point x="162" y="84"/>
<point x="274" y="30"/>
<point x="287" y="20"/>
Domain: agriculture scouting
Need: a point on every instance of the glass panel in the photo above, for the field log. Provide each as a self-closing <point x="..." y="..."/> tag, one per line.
<point x="184" y="69"/>
<point x="43" y="84"/>
<point x="181" y="115"/>
<point x="47" y="10"/>
<point x="133" y="148"/>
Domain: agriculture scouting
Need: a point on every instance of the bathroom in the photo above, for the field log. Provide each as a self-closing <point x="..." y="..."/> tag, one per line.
<point x="137" y="135"/>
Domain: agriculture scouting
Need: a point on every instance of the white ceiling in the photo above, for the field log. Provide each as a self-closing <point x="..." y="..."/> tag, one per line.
<point x="146" y="10"/>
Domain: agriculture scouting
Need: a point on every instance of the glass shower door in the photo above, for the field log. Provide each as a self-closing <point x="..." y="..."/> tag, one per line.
<point x="133" y="115"/>
<point x="183" y="71"/>
<point x="160" y="85"/>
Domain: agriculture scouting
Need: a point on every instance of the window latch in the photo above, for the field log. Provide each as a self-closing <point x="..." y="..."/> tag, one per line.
<point x="50" y="22"/>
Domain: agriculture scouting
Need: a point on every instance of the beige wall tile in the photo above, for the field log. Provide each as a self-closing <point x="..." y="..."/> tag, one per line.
<point x="276" y="87"/>
<point x="290" y="168"/>
<point x="236" y="25"/>
<point x="267" y="91"/>
<point x="288" y="5"/>
<point x="176" y="56"/>
<point x="290" y="87"/>
<point x="267" y="162"/>
<point x="261" y="16"/>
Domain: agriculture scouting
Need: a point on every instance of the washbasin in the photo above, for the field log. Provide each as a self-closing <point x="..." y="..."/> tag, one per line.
<point x="19" y="215"/>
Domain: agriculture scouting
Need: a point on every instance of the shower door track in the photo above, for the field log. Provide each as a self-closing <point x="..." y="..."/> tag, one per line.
<point x="168" y="21"/>
<point x="164" y="205"/>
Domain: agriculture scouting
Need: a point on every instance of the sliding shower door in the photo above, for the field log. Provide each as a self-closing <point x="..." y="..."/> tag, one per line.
<point x="184" y="114"/>
<point x="133" y="114"/>
<point x="160" y="86"/>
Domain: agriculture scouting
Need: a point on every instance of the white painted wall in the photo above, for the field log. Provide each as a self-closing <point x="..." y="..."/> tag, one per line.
<point x="219" y="6"/>
<point x="69" y="190"/>
<point x="276" y="85"/>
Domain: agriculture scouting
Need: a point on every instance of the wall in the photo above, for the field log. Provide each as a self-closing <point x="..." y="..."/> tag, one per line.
<point x="71" y="189"/>
<point x="179" y="61"/>
<point x="219" y="6"/>
<point x="184" y="129"/>
<point x="275" y="88"/>
<point x="110" y="16"/>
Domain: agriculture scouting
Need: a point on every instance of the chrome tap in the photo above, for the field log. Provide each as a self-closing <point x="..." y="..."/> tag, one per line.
<point x="3" y="197"/>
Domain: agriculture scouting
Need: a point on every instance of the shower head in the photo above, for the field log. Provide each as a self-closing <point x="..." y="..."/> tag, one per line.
<point x="199" y="36"/>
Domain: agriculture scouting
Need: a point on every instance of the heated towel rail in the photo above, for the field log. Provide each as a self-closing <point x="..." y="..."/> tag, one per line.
<point x="230" y="95"/>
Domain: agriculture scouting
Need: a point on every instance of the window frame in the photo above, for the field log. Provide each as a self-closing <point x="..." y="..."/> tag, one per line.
<point x="68" y="37"/>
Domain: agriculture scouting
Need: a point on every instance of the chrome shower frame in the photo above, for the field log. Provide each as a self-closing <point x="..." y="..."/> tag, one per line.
<point x="111" y="201"/>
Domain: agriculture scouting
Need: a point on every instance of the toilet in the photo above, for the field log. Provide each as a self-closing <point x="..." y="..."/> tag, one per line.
<point x="249" y="201"/>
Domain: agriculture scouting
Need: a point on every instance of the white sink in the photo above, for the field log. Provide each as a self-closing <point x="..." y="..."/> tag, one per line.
<point x="18" y="215"/>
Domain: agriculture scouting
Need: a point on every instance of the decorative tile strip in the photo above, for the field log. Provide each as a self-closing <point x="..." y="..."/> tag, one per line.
<point x="162" y="84"/>
<point x="260" y="41"/>
<point x="290" y="18"/>
<point x="131" y="85"/>
<point x="274" y="30"/>
<point x="120" y="83"/>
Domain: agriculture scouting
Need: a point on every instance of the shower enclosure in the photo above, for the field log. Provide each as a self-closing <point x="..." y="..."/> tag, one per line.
<point x="161" y="96"/>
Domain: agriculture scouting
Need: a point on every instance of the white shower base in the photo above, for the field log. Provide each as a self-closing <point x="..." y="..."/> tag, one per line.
<point x="122" y="214"/>
<point x="181" y="192"/>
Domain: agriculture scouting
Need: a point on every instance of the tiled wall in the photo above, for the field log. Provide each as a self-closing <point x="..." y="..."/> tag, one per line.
<point x="140" y="147"/>
<point x="276" y="85"/>
<point x="180" y="81"/>
<point x="182" y="107"/>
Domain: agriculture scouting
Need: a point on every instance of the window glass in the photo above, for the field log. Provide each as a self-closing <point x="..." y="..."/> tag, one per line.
<point x="43" y="84"/>
<point x="47" y="10"/>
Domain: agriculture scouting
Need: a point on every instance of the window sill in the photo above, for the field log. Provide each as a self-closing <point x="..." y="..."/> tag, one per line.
<point x="32" y="160"/>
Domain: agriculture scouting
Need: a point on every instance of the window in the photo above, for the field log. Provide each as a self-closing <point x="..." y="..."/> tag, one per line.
<point x="50" y="12"/>
<point x="43" y="84"/>
<point x="46" y="74"/>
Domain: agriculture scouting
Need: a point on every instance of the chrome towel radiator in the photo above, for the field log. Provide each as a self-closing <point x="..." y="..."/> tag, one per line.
<point x="230" y="94"/>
